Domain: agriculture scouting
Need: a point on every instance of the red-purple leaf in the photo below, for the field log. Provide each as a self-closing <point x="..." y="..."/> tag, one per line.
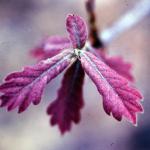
<point x="50" y="47"/>
<point x="77" y="30"/>
<point x="66" y="108"/>
<point x="116" y="63"/>
<point x="22" y="88"/>
<point x="119" y="98"/>
<point x="120" y="66"/>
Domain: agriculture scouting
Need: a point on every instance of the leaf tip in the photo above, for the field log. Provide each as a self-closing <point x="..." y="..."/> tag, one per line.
<point x="77" y="30"/>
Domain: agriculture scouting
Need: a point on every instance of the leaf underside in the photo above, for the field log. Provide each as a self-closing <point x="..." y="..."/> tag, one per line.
<point x="77" y="30"/>
<point x="120" y="66"/>
<point x="22" y="88"/>
<point x="119" y="98"/>
<point x="51" y="46"/>
<point x="66" y="108"/>
<point x="116" y="63"/>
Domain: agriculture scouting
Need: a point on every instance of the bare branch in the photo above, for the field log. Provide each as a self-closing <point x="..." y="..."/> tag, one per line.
<point x="130" y="19"/>
<point x="93" y="31"/>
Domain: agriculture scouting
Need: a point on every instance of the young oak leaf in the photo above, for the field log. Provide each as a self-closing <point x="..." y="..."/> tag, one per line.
<point x="120" y="66"/>
<point x="66" y="108"/>
<point x="51" y="46"/>
<point x="25" y="87"/>
<point x="77" y="30"/>
<point x="116" y="63"/>
<point x="22" y="88"/>
<point x="119" y="98"/>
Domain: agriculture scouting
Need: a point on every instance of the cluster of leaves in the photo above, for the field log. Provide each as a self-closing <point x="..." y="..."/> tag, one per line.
<point x="111" y="75"/>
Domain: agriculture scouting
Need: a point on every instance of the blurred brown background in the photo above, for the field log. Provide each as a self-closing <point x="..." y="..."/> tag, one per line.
<point x="23" y="23"/>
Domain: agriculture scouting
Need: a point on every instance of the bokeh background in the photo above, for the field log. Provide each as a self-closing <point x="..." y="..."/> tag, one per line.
<point x="23" y="23"/>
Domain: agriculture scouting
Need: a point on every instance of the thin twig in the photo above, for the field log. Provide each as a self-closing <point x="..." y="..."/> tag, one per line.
<point x="93" y="31"/>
